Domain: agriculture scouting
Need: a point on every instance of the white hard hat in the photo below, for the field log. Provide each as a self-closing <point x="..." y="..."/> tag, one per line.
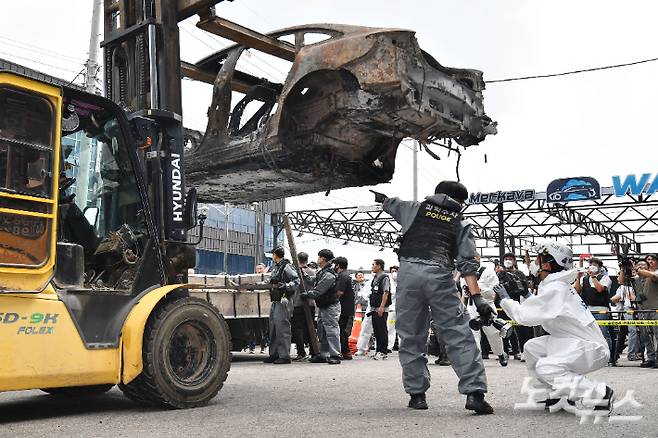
<point x="561" y="253"/>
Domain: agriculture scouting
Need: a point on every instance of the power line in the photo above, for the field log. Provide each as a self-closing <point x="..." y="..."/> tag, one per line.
<point x="11" y="55"/>
<point x="243" y="59"/>
<point x="32" y="47"/>
<point x="586" y="70"/>
<point x="262" y="18"/>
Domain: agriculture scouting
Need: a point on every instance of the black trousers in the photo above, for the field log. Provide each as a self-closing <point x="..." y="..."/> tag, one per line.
<point x="618" y="342"/>
<point x="345" y="324"/>
<point x="485" y="347"/>
<point x="520" y="335"/>
<point x="380" y="331"/>
<point x="300" y="334"/>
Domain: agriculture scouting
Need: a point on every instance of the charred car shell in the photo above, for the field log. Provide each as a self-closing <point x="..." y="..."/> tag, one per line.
<point x="338" y="119"/>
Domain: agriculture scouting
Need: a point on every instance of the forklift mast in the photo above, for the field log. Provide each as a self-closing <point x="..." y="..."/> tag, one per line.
<point x="142" y="75"/>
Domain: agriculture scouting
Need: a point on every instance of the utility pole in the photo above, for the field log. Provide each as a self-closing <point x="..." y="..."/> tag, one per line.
<point x="91" y="76"/>
<point x="415" y="161"/>
<point x="91" y="79"/>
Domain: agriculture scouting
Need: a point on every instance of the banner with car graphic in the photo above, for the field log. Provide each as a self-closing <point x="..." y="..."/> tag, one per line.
<point x="582" y="188"/>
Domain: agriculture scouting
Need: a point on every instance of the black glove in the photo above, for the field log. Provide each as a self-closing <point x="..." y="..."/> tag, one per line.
<point x="379" y="197"/>
<point x="483" y="308"/>
<point x="304" y="296"/>
<point x="500" y="290"/>
<point x="281" y="286"/>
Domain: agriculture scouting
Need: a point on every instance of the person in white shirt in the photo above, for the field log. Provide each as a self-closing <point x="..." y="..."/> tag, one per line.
<point x="558" y="362"/>
<point x="390" y="322"/>
<point x="487" y="279"/>
<point x="622" y="299"/>
<point x="363" y="343"/>
<point x="594" y="289"/>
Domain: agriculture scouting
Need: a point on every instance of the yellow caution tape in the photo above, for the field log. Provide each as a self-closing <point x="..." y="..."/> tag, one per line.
<point x="642" y="322"/>
<point x="616" y="312"/>
<point x="615" y="322"/>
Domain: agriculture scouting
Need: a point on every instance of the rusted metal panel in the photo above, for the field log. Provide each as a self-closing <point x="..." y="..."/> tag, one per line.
<point x="247" y="37"/>
<point x="193" y="72"/>
<point x="337" y="121"/>
<point x="187" y="8"/>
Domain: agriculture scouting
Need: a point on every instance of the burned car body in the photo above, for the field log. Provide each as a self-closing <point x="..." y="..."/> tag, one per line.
<point x="338" y="119"/>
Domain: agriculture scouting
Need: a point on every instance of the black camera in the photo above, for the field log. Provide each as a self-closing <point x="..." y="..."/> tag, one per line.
<point x="504" y="328"/>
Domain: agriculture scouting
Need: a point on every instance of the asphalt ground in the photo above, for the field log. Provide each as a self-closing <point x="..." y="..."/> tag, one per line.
<point x="361" y="397"/>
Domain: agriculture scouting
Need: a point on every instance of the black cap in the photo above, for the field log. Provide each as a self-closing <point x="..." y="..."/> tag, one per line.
<point x="454" y="189"/>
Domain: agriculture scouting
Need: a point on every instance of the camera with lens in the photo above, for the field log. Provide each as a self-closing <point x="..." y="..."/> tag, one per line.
<point x="504" y="328"/>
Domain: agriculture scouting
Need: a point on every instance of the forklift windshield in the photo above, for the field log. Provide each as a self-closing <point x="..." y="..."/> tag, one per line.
<point x="99" y="201"/>
<point x="100" y="171"/>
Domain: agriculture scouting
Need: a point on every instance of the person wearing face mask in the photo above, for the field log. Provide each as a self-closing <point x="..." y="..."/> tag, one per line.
<point x="516" y="284"/>
<point x="594" y="287"/>
<point x="390" y="322"/>
<point x="362" y="289"/>
<point x="558" y="362"/>
<point x="487" y="279"/>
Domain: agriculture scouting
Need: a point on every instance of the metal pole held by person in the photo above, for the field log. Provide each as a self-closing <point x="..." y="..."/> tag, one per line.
<point x="314" y="343"/>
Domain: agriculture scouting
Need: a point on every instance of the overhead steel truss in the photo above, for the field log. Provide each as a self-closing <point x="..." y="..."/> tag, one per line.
<point x="596" y="227"/>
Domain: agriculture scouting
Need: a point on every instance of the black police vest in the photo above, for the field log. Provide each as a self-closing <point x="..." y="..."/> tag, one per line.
<point x="279" y="276"/>
<point x="377" y="292"/>
<point x="432" y="235"/>
<point x="593" y="298"/>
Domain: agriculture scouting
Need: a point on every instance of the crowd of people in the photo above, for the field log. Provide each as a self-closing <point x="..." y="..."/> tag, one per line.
<point x="607" y="297"/>
<point x="325" y="306"/>
<point x="446" y="302"/>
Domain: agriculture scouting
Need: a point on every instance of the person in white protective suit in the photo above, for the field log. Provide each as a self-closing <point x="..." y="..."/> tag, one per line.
<point x="487" y="279"/>
<point x="365" y="334"/>
<point x="574" y="347"/>
<point x="390" y="322"/>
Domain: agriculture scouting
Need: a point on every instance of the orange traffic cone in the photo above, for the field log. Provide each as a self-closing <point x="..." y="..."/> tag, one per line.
<point x="356" y="329"/>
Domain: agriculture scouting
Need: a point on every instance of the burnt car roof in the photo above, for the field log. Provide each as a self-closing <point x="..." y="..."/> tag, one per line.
<point x="210" y="62"/>
<point x="336" y="121"/>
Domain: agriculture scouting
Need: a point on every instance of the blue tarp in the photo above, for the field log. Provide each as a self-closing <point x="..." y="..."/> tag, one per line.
<point x="211" y="262"/>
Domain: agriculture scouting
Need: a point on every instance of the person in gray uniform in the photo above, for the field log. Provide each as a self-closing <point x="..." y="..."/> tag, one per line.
<point x="286" y="281"/>
<point x="324" y="294"/>
<point x="434" y="243"/>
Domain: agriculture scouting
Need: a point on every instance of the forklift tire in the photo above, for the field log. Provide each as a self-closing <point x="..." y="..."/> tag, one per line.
<point x="79" y="391"/>
<point x="186" y="356"/>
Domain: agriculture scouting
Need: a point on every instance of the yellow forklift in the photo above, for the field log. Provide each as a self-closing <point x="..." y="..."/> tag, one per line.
<point x="93" y="267"/>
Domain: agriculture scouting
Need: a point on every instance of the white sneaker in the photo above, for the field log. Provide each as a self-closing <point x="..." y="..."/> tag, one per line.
<point x="361" y="353"/>
<point x="380" y="356"/>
